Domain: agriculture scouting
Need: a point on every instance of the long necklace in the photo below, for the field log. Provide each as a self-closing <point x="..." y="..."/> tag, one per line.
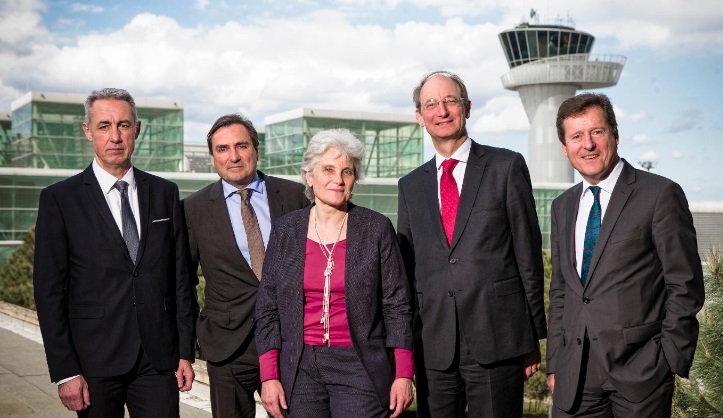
<point x="329" y="255"/>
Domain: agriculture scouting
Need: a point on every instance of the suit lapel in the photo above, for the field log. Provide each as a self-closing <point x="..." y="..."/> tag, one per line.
<point x="219" y="213"/>
<point x="144" y="206"/>
<point x="570" y="219"/>
<point x="619" y="197"/>
<point x="430" y="190"/>
<point x="95" y="194"/>
<point x="276" y="204"/>
<point x="476" y="164"/>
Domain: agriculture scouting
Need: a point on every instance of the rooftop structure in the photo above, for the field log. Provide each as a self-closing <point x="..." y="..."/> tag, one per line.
<point x="548" y="64"/>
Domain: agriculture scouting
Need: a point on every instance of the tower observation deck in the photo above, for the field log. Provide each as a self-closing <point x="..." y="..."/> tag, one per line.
<point x="548" y="64"/>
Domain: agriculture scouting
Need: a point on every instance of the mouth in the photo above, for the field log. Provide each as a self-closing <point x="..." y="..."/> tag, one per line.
<point x="590" y="157"/>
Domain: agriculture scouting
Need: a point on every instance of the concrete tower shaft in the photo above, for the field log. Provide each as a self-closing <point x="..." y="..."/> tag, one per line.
<point x="548" y="64"/>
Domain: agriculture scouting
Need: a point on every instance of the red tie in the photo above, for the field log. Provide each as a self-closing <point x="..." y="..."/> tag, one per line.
<point x="449" y="195"/>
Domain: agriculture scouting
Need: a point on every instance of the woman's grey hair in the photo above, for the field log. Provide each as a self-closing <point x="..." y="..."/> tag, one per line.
<point x="342" y="140"/>
<point x="109" y="94"/>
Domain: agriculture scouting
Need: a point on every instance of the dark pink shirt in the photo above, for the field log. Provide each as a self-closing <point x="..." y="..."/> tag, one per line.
<point x="314" y="267"/>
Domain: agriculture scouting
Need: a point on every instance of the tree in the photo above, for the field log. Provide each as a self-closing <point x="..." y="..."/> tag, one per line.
<point x="16" y="275"/>
<point x="702" y="394"/>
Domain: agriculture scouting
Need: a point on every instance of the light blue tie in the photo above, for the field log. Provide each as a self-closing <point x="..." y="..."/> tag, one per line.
<point x="592" y="230"/>
<point x="130" y="231"/>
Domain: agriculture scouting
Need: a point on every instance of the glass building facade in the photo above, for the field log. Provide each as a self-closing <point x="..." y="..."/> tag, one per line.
<point x="394" y="143"/>
<point x="527" y="43"/>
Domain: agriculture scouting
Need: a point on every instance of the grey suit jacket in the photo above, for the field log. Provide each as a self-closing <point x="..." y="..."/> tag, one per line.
<point x="644" y="289"/>
<point x="376" y="295"/>
<point x="491" y="278"/>
<point x="227" y="318"/>
<point x="95" y="307"/>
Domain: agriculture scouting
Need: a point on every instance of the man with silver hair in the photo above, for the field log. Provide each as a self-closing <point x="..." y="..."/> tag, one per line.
<point x="110" y="278"/>
<point x="472" y="248"/>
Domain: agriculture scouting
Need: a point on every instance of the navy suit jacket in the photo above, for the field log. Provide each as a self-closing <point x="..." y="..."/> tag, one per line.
<point x="644" y="288"/>
<point x="491" y="277"/>
<point x="95" y="307"/>
<point x="227" y="319"/>
<point x="376" y="295"/>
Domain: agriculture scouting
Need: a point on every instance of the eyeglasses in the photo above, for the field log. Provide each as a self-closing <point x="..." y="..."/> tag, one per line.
<point x="449" y="101"/>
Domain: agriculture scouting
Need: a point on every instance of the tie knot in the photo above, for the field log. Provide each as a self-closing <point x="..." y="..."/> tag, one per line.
<point x="121" y="185"/>
<point x="449" y="165"/>
<point x="595" y="191"/>
<point x="245" y="195"/>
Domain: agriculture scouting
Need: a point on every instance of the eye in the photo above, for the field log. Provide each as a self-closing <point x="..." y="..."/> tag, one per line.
<point x="576" y="138"/>
<point x="103" y="127"/>
<point x="348" y="172"/>
<point x="598" y="132"/>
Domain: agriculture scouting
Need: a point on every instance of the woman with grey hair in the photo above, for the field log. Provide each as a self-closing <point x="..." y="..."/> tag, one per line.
<point x="333" y="316"/>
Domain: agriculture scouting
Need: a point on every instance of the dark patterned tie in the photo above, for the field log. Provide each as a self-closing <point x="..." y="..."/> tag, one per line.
<point x="130" y="231"/>
<point x="253" y="233"/>
<point x="592" y="230"/>
<point x="449" y="195"/>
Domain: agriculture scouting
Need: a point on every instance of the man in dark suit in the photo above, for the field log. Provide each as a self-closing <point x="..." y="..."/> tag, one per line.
<point x="627" y="281"/>
<point x="219" y="240"/>
<point x="471" y="242"/>
<point x="110" y="277"/>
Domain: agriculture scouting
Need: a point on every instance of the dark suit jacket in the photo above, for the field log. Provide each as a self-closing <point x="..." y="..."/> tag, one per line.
<point x="376" y="295"/>
<point x="491" y="278"/>
<point x="227" y="318"/>
<point x="644" y="289"/>
<point x="96" y="309"/>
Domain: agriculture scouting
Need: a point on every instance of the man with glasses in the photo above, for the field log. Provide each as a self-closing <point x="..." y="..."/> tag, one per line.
<point x="472" y="247"/>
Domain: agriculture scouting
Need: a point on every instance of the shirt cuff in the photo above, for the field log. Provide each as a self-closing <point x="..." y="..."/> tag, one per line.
<point x="269" y="365"/>
<point x="404" y="363"/>
<point x="67" y="379"/>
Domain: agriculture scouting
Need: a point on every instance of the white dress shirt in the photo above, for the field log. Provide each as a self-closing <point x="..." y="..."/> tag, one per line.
<point x="461" y="155"/>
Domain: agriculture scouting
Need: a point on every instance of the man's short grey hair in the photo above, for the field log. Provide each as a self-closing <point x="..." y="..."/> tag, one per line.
<point x="109" y="94"/>
<point x="342" y="140"/>
<point x="452" y="76"/>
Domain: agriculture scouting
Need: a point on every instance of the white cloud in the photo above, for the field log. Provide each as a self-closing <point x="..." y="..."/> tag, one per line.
<point x="86" y="8"/>
<point x="649" y="156"/>
<point x="501" y="114"/>
<point x="201" y="4"/>
<point x="641" y="139"/>
<point x="678" y="155"/>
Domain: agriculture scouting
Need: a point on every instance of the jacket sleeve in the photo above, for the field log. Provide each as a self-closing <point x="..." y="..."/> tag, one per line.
<point x="557" y="299"/>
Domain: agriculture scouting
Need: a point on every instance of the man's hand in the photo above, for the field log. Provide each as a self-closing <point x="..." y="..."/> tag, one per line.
<point x="74" y="394"/>
<point x="184" y="375"/>
<point x="551" y="382"/>
<point x="401" y="396"/>
<point x="532" y="362"/>
<point x="273" y="398"/>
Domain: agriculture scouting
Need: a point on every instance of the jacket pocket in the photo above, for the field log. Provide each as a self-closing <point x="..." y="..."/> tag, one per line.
<point x="626" y="235"/>
<point x="508" y="286"/>
<point x="641" y="333"/>
<point x="93" y="311"/>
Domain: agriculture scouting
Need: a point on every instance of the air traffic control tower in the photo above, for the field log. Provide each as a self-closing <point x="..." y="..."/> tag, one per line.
<point x="548" y="64"/>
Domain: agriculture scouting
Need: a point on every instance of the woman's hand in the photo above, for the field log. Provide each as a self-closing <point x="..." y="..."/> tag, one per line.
<point x="273" y="398"/>
<point x="401" y="396"/>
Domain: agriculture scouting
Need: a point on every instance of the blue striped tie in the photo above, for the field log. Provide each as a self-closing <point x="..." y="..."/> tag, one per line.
<point x="592" y="230"/>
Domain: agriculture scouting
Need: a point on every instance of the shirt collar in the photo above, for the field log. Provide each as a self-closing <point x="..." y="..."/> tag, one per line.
<point x="607" y="184"/>
<point x="107" y="181"/>
<point x="461" y="155"/>
<point x="257" y="185"/>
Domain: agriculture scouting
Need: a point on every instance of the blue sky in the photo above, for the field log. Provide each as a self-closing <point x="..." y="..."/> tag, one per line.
<point x="270" y="56"/>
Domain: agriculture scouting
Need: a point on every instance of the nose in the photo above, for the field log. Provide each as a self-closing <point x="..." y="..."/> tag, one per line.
<point x="442" y="109"/>
<point x="115" y="134"/>
<point x="235" y="154"/>
<point x="588" y="142"/>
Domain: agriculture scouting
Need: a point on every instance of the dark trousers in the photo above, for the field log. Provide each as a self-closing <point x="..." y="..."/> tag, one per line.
<point x="144" y="390"/>
<point x="233" y="383"/>
<point x="597" y="397"/>
<point x="486" y="390"/>
<point x="332" y="382"/>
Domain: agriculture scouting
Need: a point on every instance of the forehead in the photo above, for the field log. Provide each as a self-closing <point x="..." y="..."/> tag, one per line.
<point x="230" y="134"/>
<point x="592" y="117"/>
<point x="439" y="85"/>
<point x="108" y="109"/>
<point x="335" y="156"/>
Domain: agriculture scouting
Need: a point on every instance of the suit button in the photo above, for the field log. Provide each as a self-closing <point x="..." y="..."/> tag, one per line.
<point x="579" y="341"/>
<point x="450" y="293"/>
<point x="586" y="301"/>
<point x="135" y="274"/>
<point x="452" y="261"/>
